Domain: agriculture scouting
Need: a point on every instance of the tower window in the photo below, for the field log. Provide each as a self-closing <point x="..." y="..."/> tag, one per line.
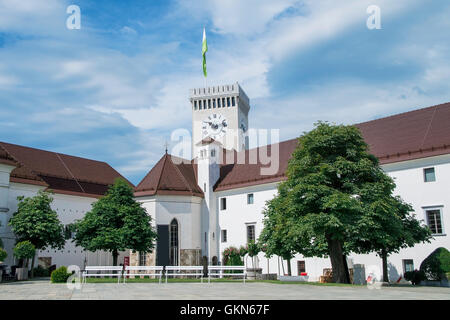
<point x="250" y="198"/>
<point x="223" y="203"/>
<point x="200" y="105"/>
<point x="214" y="103"/>
<point x="195" y="105"/>
<point x="233" y="102"/>
<point x="213" y="153"/>
<point x="224" y="236"/>
<point x="218" y="103"/>
<point x="429" y="175"/>
<point x="228" y="101"/>
<point x="250" y="233"/>
<point x="209" y="104"/>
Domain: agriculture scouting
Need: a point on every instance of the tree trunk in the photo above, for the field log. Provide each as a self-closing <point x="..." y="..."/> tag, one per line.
<point x="289" y="267"/>
<point x="385" y="268"/>
<point x="115" y="254"/>
<point x="347" y="272"/>
<point x="337" y="261"/>
<point x="32" y="266"/>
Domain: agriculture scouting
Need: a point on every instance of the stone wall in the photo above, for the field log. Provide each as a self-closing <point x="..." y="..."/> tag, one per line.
<point x="190" y="257"/>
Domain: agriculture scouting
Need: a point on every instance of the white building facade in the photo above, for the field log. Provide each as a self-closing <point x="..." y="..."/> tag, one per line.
<point x="412" y="148"/>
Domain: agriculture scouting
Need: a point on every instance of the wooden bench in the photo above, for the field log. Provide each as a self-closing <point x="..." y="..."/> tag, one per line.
<point x="156" y="271"/>
<point x="184" y="271"/>
<point x="103" y="271"/>
<point x="219" y="271"/>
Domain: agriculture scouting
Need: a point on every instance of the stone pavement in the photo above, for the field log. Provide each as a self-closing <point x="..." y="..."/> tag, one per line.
<point x="43" y="289"/>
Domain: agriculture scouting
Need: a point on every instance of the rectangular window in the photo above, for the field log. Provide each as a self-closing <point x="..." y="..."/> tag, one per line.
<point x="233" y="102"/>
<point x="250" y="198"/>
<point x="224" y="236"/>
<point x="223" y="203"/>
<point x="408" y="265"/>
<point x="218" y="103"/>
<point x="214" y="103"/>
<point x="223" y="103"/>
<point x="301" y="266"/>
<point x="209" y="104"/>
<point x="228" y="101"/>
<point x="434" y="220"/>
<point x="251" y="233"/>
<point x="142" y="259"/>
<point x="195" y="105"/>
<point x="429" y="175"/>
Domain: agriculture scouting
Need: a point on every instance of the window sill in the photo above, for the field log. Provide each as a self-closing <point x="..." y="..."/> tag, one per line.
<point x="438" y="234"/>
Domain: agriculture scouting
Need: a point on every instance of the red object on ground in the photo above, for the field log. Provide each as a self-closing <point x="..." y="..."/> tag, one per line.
<point x="303" y="273"/>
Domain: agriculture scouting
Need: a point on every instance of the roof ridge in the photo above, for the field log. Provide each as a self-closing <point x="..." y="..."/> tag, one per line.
<point x="63" y="154"/>
<point x="161" y="173"/>
<point x="403" y="113"/>
<point x="180" y="174"/>
<point x="70" y="172"/>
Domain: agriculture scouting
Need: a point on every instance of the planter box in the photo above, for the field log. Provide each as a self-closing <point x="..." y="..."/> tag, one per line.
<point x="254" y="273"/>
<point x="22" y="273"/>
<point x="294" y="278"/>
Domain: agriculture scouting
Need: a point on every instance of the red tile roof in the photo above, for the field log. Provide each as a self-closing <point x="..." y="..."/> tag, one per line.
<point x="59" y="172"/>
<point x="170" y="176"/>
<point x="411" y="135"/>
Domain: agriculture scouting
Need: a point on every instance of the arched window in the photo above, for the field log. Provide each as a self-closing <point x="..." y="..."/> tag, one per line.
<point x="173" y="248"/>
<point x="142" y="258"/>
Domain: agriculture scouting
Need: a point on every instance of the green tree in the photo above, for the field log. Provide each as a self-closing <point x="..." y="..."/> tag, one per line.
<point x="36" y="222"/>
<point x="276" y="236"/>
<point x="319" y="208"/>
<point x="24" y="251"/>
<point x="116" y="223"/>
<point x="387" y="225"/>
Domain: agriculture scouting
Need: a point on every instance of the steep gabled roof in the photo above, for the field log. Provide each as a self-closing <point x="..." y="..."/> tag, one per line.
<point x="170" y="176"/>
<point x="59" y="172"/>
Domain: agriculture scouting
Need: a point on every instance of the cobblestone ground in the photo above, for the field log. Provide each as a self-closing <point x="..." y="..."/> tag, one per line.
<point x="43" y="289"/>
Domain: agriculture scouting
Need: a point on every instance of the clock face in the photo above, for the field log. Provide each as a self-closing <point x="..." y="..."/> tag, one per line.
<point x="214" y="126"/>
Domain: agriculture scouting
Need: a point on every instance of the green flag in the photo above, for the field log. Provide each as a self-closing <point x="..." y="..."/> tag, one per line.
<point x="204" y="49"/>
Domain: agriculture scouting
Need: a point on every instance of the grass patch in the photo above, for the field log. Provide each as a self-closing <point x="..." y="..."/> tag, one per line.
<point x="192" y="280"/>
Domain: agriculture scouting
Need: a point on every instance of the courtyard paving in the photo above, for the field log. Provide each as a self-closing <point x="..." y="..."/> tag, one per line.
<point x="43" y="289"/>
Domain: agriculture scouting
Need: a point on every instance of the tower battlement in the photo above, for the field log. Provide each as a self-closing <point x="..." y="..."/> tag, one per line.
<point x="228" y="90"/>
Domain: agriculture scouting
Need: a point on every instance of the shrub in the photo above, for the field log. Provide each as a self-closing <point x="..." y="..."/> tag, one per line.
<point x="415" y="276"/>
<point x="3" y="254"/>
<point x="230" y="253"/>
<point x="24" y="250"/>
<point x="40" y="271"/>
<point x="253" y="249"/>
<point x="60" y="275"/>
<point x="243" y="251"/>
<point x="436" y="265"/>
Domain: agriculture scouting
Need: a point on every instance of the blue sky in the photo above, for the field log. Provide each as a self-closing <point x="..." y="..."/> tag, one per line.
<point x="115" y="89"/>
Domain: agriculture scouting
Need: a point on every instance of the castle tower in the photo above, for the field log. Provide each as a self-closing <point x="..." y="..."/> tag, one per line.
<point x="220" y="113"/>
